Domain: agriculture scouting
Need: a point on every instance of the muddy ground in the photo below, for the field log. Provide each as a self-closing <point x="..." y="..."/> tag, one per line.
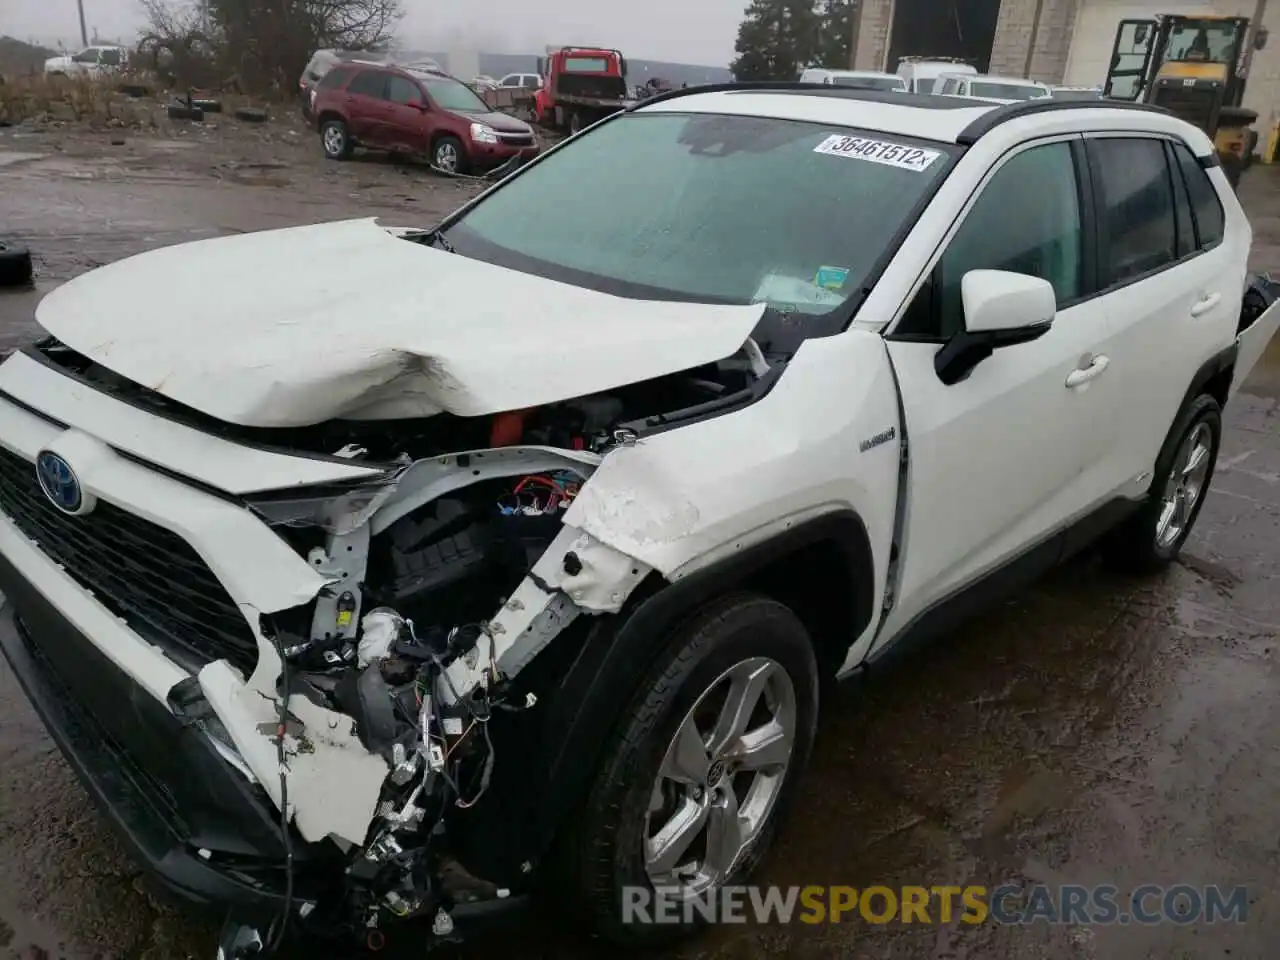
<point x="1090" y="731"/>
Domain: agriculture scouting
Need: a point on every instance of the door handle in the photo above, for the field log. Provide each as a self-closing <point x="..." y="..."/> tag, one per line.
<point x="1078" y="378"/>
<point x="1201" y="307"/>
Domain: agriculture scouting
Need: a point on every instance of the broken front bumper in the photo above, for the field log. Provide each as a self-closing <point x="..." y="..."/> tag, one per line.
<point x="168" y="793"/>
<point x="169" y="796"/>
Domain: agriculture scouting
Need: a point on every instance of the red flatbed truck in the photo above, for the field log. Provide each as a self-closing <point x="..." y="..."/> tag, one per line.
<point x="580" y="85"/>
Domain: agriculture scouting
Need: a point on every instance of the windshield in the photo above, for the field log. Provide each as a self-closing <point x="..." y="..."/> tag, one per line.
<point x="452" y="95"/>
<point x="586" y="65"/>
<point x="868" y="83"/>
<point x="1207" y="41"/>
<point x="729" y="210"/>
<point x="1005" y="91"/>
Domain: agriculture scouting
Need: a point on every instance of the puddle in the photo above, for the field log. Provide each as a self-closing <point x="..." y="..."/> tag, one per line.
<point x="9" y="159"/>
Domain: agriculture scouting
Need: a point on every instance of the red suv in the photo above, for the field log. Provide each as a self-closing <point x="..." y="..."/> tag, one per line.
<point x="415" y="111"/>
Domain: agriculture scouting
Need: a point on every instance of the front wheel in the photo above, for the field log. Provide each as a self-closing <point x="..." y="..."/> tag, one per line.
<point x="1152" y="538"/>
<point x="448" y="154"/>
<point x="335" y="139"/>
<point x="699" y="773"/>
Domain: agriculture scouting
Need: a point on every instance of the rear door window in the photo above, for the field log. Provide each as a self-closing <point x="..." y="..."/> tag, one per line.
<point x="335" y="78"/>
<point x="369" y="83"/>
<point x="1136" y="213"/>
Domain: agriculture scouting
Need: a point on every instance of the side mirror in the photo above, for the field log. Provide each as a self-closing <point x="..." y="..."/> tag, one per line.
<point x="1001" y="309"/>
<point x="1260" y="38"/>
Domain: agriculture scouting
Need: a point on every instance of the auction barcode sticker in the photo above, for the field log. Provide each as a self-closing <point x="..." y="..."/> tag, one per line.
<point x="878" y="151"/>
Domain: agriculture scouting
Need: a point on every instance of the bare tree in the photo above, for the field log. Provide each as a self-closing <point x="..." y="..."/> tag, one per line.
<point x="259" y="45"/>
<point x="175" y="45"/>
<point x="272" y="40"/>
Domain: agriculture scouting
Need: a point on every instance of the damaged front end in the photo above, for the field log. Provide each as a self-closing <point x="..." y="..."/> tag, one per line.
<point x="367" y="717"/>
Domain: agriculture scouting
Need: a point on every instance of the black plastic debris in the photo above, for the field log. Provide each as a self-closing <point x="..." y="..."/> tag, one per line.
<point x="1259" y="294"/>
<point x="15" y="264"/>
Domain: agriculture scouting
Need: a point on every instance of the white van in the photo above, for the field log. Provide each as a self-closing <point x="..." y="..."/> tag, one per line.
<point x="983" y="86"/>
<point x="862" y="79"/>
<point x="921" y="72"/>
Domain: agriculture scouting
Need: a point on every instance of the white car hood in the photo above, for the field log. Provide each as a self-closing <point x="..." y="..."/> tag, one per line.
<point x="297" y="326"/>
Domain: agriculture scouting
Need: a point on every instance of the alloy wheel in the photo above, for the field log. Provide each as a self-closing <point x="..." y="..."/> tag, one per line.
<point x="334" y="141"/>
<point x="1185" y="485"/>
<point x="720" y="778"/>
<point x="447" y="157"/>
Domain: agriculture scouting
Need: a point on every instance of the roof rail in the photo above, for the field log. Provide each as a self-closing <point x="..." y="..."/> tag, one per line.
<point x="796" y="86"/>
<point x="1026" y="108"/>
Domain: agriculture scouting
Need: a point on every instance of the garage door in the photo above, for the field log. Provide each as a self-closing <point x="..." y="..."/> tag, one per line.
<point x="1095" y="33"/>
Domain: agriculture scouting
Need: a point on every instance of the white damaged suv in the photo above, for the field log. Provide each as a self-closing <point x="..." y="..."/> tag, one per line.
<point x="415" y="564"/>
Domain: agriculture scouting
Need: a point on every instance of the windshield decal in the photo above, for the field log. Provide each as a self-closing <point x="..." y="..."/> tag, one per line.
<point x="878" y="151"/>
<point x="831" y="278"/>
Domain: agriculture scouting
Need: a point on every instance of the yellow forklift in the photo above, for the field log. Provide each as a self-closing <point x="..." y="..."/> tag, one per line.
<point x="1194" y="67"/>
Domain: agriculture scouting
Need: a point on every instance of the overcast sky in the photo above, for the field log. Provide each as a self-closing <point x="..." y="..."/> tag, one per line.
<point x="686" y="31"/>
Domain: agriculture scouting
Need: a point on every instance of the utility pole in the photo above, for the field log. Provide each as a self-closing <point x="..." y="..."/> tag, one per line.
<point x="855" y="14"/>
<point x="1259" y="11"/>
<point x="84" y="33"/>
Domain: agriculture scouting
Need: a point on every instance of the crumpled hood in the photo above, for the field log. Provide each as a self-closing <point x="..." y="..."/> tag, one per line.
<point x="298" y="326"/>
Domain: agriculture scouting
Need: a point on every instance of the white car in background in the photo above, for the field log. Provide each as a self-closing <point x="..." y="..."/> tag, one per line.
<point x="861" y="79"/>
<point x="521" y="81"/>
<point x="986" y="87"/>
<point x="90" y="62"/>
<point x="922" y="73"/>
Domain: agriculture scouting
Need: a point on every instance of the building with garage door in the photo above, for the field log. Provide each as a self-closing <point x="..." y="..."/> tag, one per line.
<point x="1057" y="41"/>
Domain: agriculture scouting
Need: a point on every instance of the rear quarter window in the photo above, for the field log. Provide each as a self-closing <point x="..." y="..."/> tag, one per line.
<point x="1206" y="206"/>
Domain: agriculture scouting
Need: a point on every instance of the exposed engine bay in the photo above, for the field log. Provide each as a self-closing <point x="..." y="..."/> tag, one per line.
<point x="445" y="578"/>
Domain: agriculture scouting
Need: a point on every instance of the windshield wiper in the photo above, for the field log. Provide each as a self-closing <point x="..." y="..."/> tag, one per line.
<point x="436" y="238"/>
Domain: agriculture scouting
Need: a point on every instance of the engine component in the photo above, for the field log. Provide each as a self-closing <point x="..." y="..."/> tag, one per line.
<point x="366" y="697"/>
<point x="381" y="629"/>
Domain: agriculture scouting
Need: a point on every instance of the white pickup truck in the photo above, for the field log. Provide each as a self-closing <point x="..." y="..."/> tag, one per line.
<point x="94" y="61"/>
<point x="418" y="563"/>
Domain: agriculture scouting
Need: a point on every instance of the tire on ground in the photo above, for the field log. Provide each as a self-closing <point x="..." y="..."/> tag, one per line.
<point x="1134" y="546"/>
<point x="251" y="115"/>
<point x="208" y="106"/>
<point x="15" y="264"/>
<point x="603" y="854"/>
<point x="180" y="111"/>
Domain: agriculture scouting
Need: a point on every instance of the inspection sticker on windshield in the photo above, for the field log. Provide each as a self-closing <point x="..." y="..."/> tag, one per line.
<point x="878" y="151"/>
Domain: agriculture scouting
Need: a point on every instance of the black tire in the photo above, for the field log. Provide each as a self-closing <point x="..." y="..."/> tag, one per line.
<point x="440" y="150"/>
<point x="134" y="90"/>
<point x="251" y="115"/>
<point x="208" y="106"/>
<point x="180" y="111"/>
<point x="15" y="265"/>
<point x="1134" y="546"/>
<point x="335" y="140"/>
<point x="604" y="851"/>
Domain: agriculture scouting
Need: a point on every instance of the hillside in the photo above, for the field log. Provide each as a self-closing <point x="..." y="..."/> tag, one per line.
<point x="17" y="57"/>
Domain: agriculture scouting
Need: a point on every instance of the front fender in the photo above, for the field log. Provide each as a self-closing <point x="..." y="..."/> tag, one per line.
<point x="825" y="439"/>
